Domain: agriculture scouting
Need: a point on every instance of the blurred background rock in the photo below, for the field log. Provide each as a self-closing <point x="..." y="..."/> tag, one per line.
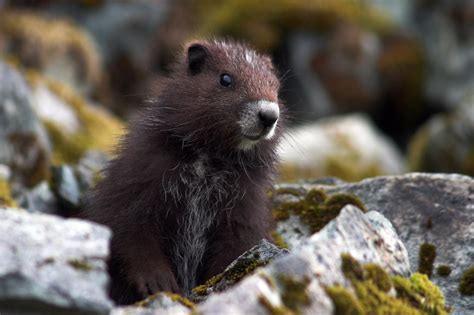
<point x="374" y="86"/>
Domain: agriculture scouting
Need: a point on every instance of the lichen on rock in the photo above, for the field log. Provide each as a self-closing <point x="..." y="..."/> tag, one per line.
<point x="371" y="292"/>
<point x="258" y="256"/>
<point x="97" y="129"/>
<point x="466" y="285"/>
<point x="316" y="208"/>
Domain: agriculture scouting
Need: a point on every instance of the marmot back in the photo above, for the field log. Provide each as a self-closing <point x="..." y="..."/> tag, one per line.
<point x="186" y="194"/>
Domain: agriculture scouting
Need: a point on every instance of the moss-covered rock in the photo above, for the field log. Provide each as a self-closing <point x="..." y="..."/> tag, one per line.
<point x="244" y="265"/>
<point x="265" y="23"/>
<point x="344" y="301"/>
<point x="371" y="292"/>
<point x="97" y="130"/>
<point x="168" y="302"/>
<point x="55" y="47"/>
<point x="315" y="209"/>
<point x="347" y="147"/>
<point x="293" y="292"/>
<point x="278" y="240"/>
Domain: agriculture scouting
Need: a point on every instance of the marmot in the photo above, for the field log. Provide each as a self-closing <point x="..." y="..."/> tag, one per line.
<point x="186" y="194"/>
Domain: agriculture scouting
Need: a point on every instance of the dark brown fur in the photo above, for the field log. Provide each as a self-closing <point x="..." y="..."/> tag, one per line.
<point x="192" y="116"/>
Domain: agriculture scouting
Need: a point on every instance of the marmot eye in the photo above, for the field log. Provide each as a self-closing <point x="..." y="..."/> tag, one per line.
<point x="225" y="80"/>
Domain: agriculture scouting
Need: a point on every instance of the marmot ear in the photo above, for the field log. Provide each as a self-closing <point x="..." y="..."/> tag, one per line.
<point x="197" y="55"/>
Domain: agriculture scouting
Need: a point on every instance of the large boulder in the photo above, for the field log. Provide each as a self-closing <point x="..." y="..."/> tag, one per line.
<point x="51" y="265"/>
<point x="301" y="282"/>
<point x="320" y="277"/>
<point x="348" y="147"/>
<point x="433" y="214"/>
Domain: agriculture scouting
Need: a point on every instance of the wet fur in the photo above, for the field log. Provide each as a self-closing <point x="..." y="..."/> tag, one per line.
<point x="181" y="199"/>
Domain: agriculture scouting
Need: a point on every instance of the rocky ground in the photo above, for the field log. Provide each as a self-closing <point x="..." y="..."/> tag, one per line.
<point x="345" y="248"/>
<point x="346" y="239"/>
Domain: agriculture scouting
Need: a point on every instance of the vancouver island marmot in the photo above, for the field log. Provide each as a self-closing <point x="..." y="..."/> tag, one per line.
<point x="186" y="193"/>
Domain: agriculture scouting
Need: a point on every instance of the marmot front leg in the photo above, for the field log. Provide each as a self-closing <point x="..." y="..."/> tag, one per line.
<point x="145" y="267"/>
<point x="227" y="245"/>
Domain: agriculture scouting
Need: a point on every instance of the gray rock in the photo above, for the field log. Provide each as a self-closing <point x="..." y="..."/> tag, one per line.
<point x="24" y="145"/>
<point x="66" y="189"/>
<point x="434" y="208"/>
<point x="257" y="256"/>
<point x="158" y="304"/>
<point x="39" y="199"/>
<point x="316" y="263"/>
<point x="89" y="167"/>
<point x="293" y="231"/>
<point x="349" y="146"/>
<point x="52" y="266"/>
<point x="72" y="184"/>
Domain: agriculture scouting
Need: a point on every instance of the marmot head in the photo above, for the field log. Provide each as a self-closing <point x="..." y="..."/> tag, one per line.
<point x="223" y="95"/>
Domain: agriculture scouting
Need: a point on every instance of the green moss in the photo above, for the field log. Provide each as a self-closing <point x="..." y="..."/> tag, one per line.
<point x="443" y="270"/>
<point x="242" y="268"/>
<point x="316" y="209"/>
<point x="466" y="285"/>
<point x="420" y="293"/>
<point x="80" y="264"/>
<point x="6" y="199"/>
<point x="344" y="301"/>
<point x="338" y="201"/>
<point x="282" y="212"/>
<point x="265" y="24"/>
<point x="203" y="288"/>
<point x="351" y="268"/>
<point x="293" y="292"/>
<point x="98" y="129"/>
<point x="415" y="295"/>
<point x="426" y="258"/>
<point x="375" y="301"/>
<point x="378" y="276"/>
<point x="182" y="300"/>
<point x="274" y="310"/>
<point x="278" y="240"/>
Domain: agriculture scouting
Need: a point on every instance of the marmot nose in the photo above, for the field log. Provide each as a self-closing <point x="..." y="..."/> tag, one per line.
<point x="268" y="117"/>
